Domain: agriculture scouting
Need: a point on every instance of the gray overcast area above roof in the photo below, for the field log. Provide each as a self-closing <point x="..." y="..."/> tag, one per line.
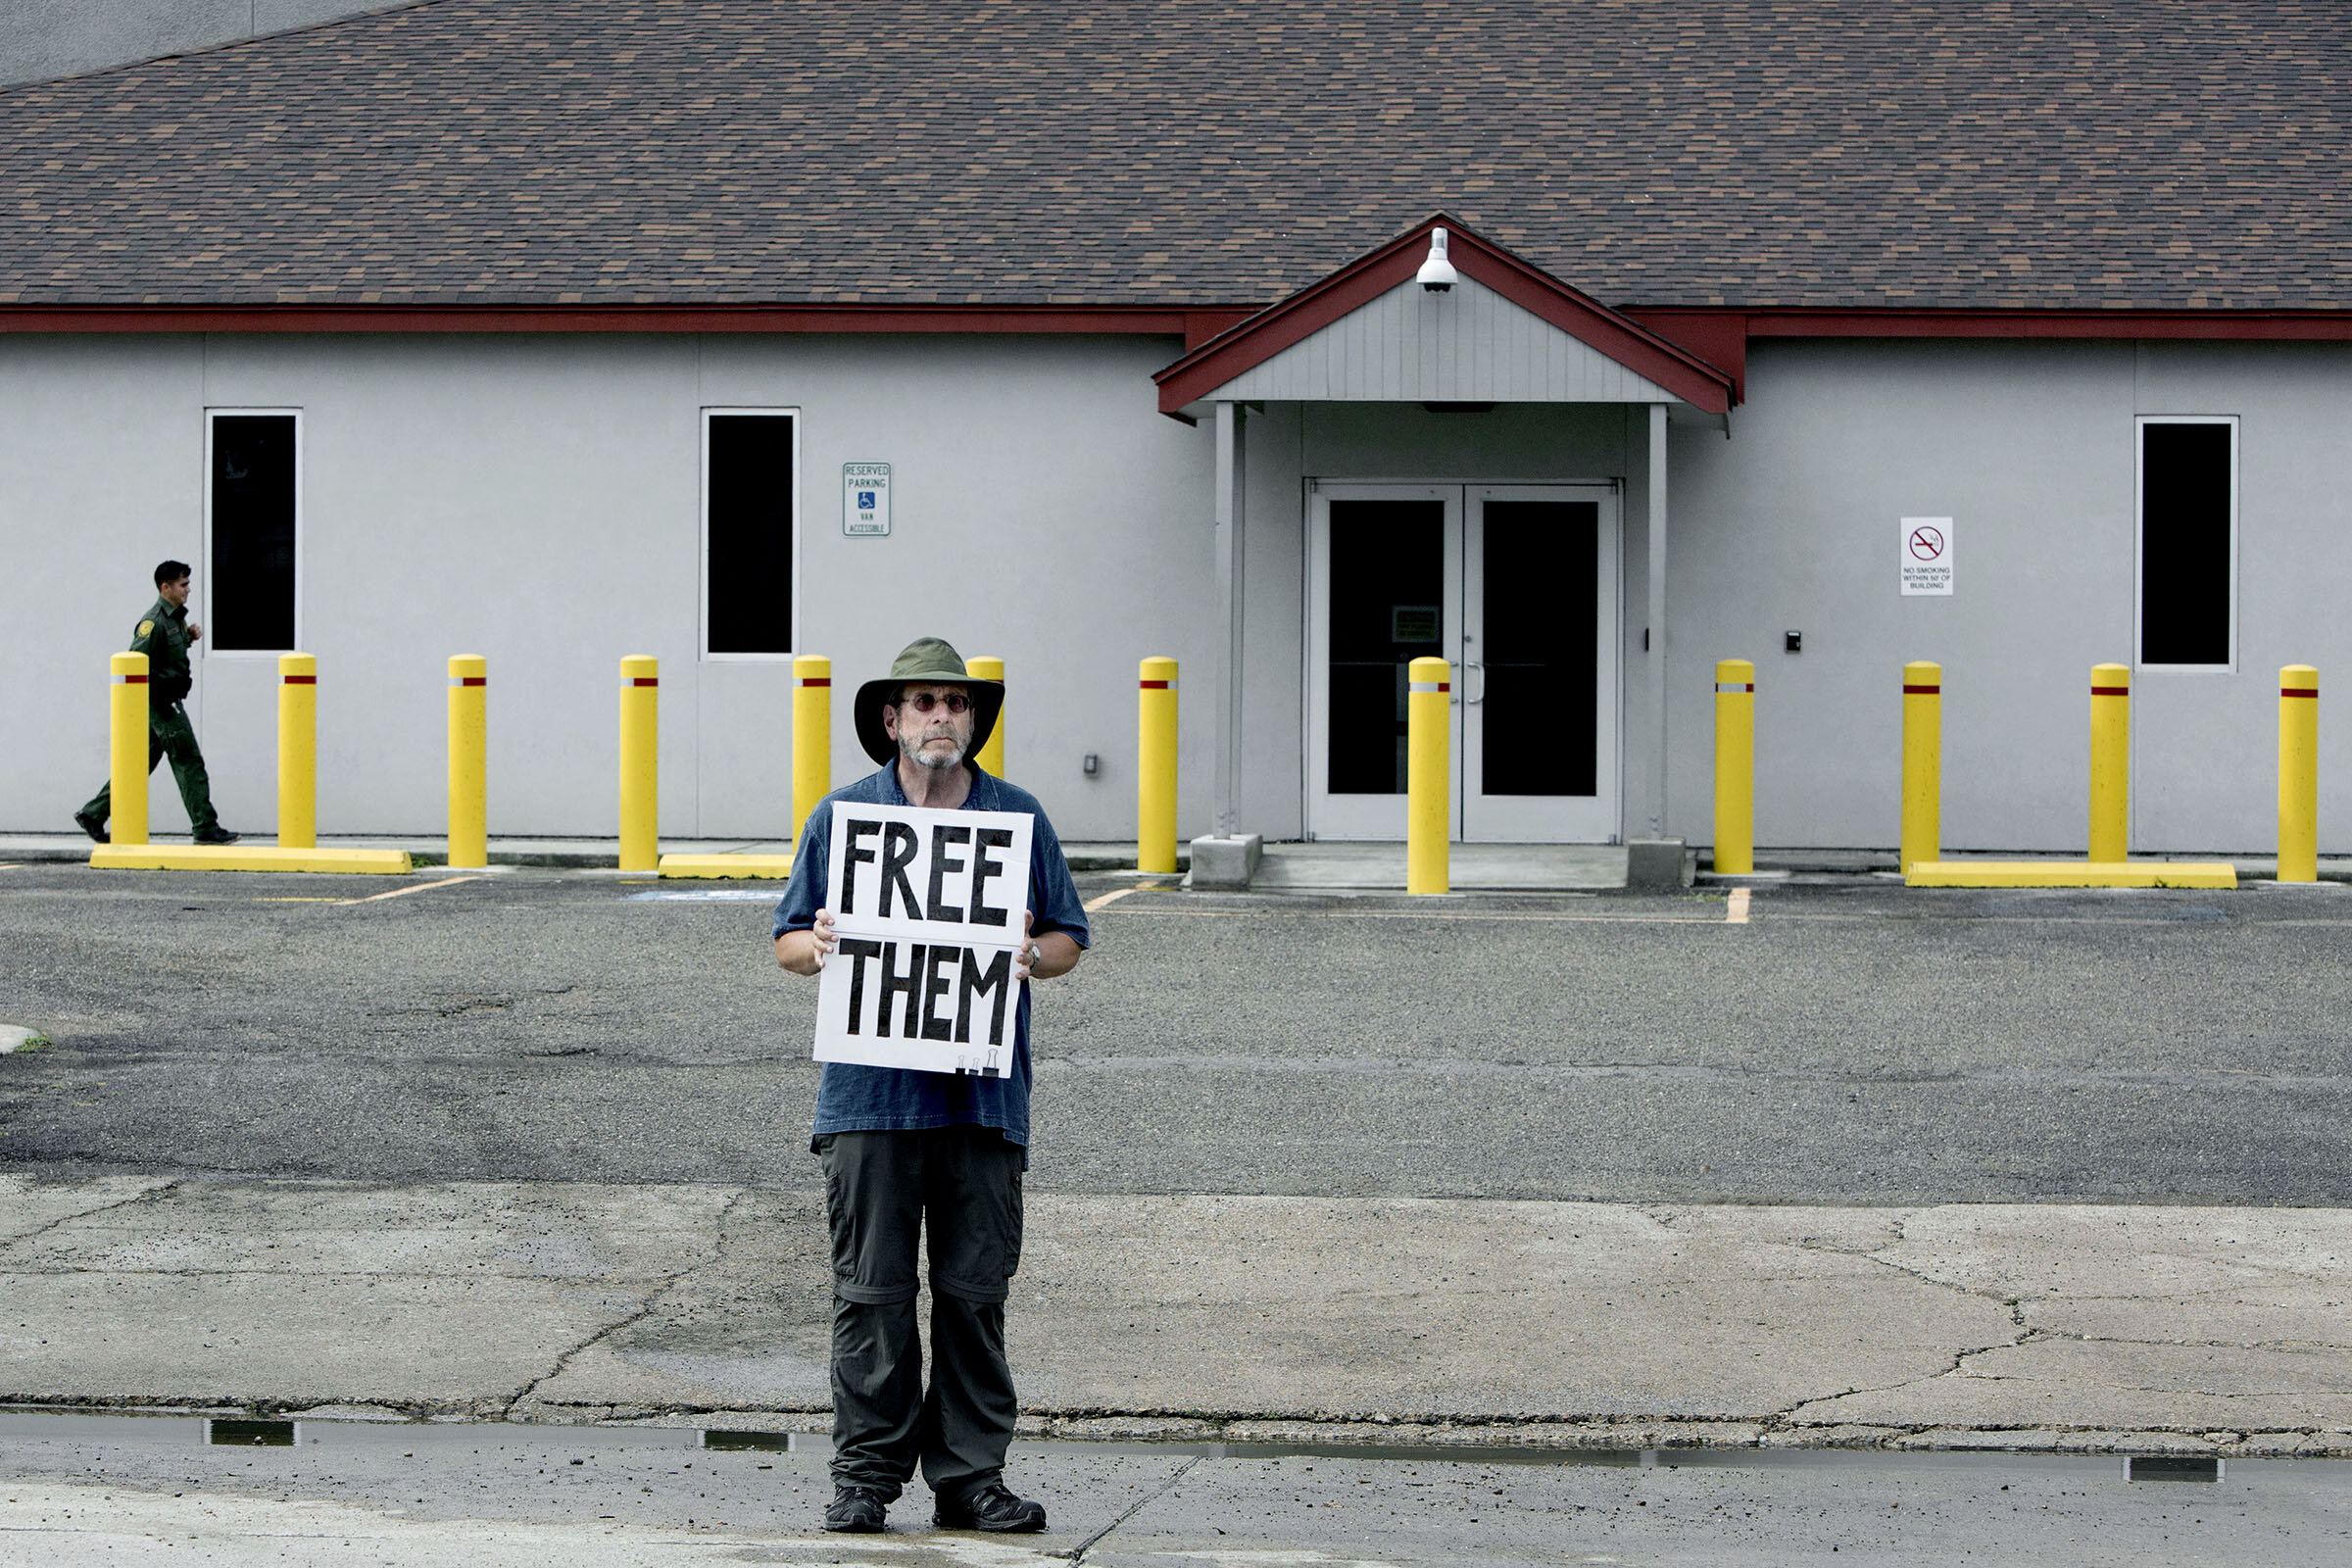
<point x="2140" y="153"/>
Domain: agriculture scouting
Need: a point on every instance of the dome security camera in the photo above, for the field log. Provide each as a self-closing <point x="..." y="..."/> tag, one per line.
<point x="1437" y="273"/>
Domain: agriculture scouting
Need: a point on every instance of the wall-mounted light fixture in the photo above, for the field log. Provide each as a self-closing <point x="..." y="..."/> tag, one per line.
<point x="1437" y="273"/>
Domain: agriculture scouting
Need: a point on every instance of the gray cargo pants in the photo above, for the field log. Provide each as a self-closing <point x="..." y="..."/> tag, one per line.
<point x="881" y="1190"/>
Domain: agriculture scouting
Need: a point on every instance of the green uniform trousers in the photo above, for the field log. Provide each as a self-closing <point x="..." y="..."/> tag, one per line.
<point x="168" y="734"/>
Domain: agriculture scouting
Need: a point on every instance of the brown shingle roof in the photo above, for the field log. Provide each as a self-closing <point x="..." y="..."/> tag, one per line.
<point x="2037" y="153"/>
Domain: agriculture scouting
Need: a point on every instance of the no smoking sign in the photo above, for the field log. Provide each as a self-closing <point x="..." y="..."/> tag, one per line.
<point x="1926" y="556"/>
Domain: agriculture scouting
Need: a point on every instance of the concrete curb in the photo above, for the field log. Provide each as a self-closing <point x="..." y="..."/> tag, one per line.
<point x="1274" y="1430"/>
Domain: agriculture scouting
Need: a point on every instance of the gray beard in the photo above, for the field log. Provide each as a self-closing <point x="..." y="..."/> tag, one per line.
<point x="922" y="759"/>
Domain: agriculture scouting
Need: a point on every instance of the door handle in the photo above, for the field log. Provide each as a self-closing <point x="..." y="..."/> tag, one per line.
<point x="1469" y="665"/>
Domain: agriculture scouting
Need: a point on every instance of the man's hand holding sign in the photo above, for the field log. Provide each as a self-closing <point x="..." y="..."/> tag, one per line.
<point x="926" y="896"/>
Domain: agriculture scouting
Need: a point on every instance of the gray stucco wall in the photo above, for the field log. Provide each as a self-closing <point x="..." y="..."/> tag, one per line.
<point x="44" y="38"/>
<point x="535" y="499"/>
<point x="1792" y="523"/>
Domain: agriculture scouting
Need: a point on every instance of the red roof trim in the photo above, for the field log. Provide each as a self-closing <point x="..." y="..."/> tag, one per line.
<point x="1191" y="324"/>
<point x="1712" y="337"/>
<point x="1695" y="320"/>
<point x="1318" y="304"/>
<point x="2319" y="326"/>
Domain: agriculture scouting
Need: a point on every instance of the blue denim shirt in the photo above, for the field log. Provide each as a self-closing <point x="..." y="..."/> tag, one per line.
<point x="855" y="1099"/>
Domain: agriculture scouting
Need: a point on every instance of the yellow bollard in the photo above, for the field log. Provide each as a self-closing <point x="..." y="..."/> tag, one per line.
<point x="1428" y="777"/>
<point x="1156" y="765"/>
<point x="469" y="765"/>
<point x="1734" y="767"/>
<point x="811" y="736"/>
<point x="991" y="756"/>
<point x="297" y="752"/>
<point x="1922" y="763"/>
<point x="2299" y="773"/>
<point x="640" y="762"/>
<point x="129" y="752"/>
<point x="2110" y="762"/>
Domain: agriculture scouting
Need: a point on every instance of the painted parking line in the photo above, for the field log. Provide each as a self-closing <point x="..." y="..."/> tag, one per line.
<point x="706" y="895"/>
<point x="1458" y="917"/>
<point x="402" y="893"/>
<point x="1735" y="910"/>
<point x="1112" y="896"/>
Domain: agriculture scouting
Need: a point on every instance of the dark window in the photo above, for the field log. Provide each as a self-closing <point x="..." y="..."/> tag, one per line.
<point x="1542" y="686"/>
<point x="251" y="592"/>
<point x="748" y="526"/>
<point x="2187" y="597"/>
<point x="1388" y="574"/>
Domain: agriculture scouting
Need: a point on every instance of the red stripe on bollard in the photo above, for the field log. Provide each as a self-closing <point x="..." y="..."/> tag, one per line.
<point x="2298" y="690"/>
<point x="298" y="680"/>
<point x="1923" y="691"/>
<point x="1156" y="686"/>
<point x="474" y="680"/>
<point x="640" y="680"/>
<point x="818" y="680"/>
<point x="2111" y="691"/>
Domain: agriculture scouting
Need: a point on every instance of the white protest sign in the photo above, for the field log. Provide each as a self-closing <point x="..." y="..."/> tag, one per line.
<point x="928" y="906"/>
<point x="1927" y="555"/>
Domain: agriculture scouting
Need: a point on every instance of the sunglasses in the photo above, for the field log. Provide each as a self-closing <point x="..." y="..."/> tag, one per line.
<point x="926" y="701"/>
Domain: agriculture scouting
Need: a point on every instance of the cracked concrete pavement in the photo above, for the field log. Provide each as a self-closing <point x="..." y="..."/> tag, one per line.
<point x="2071" y="1328"/>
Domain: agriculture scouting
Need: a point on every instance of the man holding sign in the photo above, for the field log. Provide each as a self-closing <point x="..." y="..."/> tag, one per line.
<point x="926" y="895"/>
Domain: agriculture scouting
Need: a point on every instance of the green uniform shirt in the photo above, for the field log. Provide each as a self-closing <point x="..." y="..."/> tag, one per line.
<point x="163" y="636"/>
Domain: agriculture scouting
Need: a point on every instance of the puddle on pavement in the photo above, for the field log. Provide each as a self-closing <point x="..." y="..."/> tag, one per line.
<point x="2174" y="1467"/>
<point x="250" y="1434"/>
<point x="719" y="1442"/>
<point x="1423" y="1454"/>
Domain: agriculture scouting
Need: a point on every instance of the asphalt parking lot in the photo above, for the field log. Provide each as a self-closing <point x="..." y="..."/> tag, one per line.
<point x="1847" y="1042"/>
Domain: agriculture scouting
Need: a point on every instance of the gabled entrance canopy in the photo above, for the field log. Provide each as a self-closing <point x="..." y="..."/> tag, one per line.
<point x="1505" y="332"/>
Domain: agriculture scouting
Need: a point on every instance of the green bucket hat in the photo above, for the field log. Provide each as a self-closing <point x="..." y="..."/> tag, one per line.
<point x="928" y="660"/>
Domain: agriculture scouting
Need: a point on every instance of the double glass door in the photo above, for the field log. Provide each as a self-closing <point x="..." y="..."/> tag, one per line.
<point x="1516" y="587"/>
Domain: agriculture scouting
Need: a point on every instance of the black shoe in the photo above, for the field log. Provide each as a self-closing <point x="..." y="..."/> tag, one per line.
<point x="857" y="1510"/>
<point x="992" y="1507"/>
<point x="94" y="826"/>
<point x="216" y="834"/>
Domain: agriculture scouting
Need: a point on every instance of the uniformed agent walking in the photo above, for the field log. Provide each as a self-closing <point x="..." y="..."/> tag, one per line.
<point x="164" y="635"/>
<point x="906" y="1150"/>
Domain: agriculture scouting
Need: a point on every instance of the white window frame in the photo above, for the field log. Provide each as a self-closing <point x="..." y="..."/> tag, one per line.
<point x="302" y="552"/>
<point x="2139" y="542"/>
<point x="702" y="524"/>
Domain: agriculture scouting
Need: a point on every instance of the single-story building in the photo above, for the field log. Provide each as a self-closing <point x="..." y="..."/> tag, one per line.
<point x="1078" y="333"/>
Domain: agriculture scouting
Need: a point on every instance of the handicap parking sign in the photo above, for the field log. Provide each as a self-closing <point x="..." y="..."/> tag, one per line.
<point x="866" y="500"/>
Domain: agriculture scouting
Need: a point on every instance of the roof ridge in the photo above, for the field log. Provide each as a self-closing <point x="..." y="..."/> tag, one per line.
<point x="365" y="13"/>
